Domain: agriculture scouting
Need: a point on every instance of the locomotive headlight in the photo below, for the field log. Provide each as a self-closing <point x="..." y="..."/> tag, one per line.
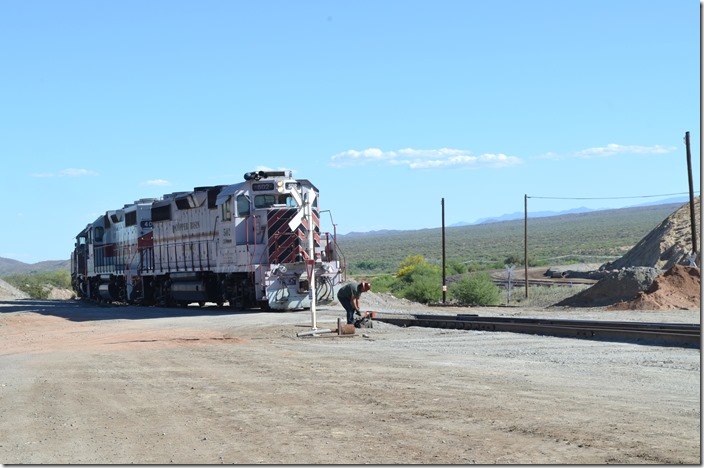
<point x="280" y="186"/>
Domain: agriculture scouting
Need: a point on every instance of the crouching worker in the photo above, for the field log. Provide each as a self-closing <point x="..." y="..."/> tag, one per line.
<point x="349" y="295"/>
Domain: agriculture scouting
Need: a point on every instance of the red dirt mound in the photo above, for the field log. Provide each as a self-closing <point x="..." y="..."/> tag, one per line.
<point x="677" y="288"/>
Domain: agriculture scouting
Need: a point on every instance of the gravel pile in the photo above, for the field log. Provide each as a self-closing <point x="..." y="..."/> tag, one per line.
<point x="621" y="285"/>
<point x="669" y="244"/>
<point x="677" y="288"/>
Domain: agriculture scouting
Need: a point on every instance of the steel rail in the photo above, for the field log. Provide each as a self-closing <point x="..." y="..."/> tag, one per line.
<point x="646" y="333"/>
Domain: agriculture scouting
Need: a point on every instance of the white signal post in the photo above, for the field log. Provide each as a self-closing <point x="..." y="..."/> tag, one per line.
<point x="310" y="196"/>
<point x="306" y="211"/>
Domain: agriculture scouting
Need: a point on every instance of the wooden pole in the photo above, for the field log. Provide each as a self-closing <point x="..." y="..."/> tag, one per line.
<point x="525" y="238"/>
<point x="691" y="194"/>
<point x="444" y="283"/>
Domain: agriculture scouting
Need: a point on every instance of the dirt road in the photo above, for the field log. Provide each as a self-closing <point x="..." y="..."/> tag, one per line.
<point x="120" y="385"/>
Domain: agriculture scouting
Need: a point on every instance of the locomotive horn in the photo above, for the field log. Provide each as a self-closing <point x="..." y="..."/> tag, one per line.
<point x="253" y="175"/>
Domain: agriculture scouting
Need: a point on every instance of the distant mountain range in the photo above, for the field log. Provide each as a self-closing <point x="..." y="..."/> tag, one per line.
<point x="9" y="266"/>
<point x="545" y="214"/>
<point x="520" y="215"/>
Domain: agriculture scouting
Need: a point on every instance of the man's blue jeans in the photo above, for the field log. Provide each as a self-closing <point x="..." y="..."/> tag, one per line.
<point x="347" y="304"/>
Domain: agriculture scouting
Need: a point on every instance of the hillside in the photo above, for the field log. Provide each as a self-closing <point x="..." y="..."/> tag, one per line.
<point x="9" y="266"/>
<point x="591" y="237"/>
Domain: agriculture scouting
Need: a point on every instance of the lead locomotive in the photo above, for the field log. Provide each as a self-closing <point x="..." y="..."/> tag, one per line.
<point x="245" y="244"/>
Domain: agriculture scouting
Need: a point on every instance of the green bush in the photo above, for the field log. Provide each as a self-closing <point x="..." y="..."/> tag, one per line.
<point x="475" y="289"/>
<point x="418" y="280"/>
<point x="423" y="289"/>
<point x="382" y="283"/>
<point x="455" y="268"/>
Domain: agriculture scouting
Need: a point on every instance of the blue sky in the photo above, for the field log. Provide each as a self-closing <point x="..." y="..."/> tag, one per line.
<point x="387" y="106"/>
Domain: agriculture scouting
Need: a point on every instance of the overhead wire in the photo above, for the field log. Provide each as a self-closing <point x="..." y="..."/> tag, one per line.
<point x="610" y="198"/>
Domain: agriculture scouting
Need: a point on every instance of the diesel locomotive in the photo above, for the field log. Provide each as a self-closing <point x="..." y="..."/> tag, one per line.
<point x="245" y="244"/>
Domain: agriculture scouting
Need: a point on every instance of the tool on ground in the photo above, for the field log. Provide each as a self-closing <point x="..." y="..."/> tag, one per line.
<point x="365" y="319"/>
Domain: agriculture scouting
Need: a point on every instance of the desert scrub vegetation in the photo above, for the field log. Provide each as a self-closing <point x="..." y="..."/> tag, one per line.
<point x="420" y="281"/>
<point x="540" y="296"/>
<point x="598" y="236"/>
<point x="475" y="289"/>
<point x="38" y="285"/>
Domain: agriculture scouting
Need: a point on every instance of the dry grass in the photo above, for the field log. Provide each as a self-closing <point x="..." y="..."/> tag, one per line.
<point x="541" y="296"/>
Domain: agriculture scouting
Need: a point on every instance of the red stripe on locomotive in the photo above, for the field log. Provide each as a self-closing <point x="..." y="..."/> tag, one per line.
<point x="285" y="246"/>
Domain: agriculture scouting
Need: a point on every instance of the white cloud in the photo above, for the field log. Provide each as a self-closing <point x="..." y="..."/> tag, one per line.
<point x="613" y="149"/>
<point x="424" y="159"/>
<point x="157" y="183"/>
<point x="77" y="172"/>
<point x="354" y="157"/>
<point x="67" y="173"/>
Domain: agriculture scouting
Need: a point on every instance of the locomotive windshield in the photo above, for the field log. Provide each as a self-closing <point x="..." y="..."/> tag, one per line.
<point x="269" y="200"/>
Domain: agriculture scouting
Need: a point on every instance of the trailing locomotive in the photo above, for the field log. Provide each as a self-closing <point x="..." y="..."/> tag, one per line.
<point x="245" y="244"/>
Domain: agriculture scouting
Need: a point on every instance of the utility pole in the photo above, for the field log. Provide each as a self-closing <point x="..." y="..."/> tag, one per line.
<point x="444" y="283"/>
<point x="525" y="238"/>
<point x="691" y="195"/>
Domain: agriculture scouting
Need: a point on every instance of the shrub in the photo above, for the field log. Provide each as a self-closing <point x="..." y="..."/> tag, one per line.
<point x="422" y="289"/>
<point x="408" y="266"/>
<point x="475" y="289"/>
<point x="456" y="268"/>
<point x="418" y="281"/>
<point x="382" y="283"/>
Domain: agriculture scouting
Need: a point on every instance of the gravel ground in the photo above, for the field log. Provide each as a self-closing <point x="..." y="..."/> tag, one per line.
<point x="120" y="385"/>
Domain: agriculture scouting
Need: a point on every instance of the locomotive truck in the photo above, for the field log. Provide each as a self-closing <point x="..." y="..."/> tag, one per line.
<point x="244" y="244"/>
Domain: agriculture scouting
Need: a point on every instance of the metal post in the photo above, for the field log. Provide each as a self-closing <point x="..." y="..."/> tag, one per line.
<point x="311" y="260"/>
<point x="510" y="271"/>
<point x="444" y="283"/>
<point x="525" y="238"/>
<point x="691" y="194"/>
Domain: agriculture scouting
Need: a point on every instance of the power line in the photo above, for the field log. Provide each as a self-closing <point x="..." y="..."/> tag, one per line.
<point x="610" y="198"/>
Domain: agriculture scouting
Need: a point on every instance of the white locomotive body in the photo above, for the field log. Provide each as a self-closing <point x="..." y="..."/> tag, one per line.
<point x="246" y="244"/>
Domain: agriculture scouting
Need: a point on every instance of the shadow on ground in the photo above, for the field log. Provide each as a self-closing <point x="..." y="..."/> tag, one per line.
<point x="80" y="311"/>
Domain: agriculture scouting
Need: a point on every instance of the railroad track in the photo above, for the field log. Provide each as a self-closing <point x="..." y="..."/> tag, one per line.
<point x="646" y="333"/>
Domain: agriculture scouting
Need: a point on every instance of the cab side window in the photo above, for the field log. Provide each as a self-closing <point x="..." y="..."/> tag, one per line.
<point x="98" y="233"/>
<point x="243" y="208"/>
<point x="227" y="210"/>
